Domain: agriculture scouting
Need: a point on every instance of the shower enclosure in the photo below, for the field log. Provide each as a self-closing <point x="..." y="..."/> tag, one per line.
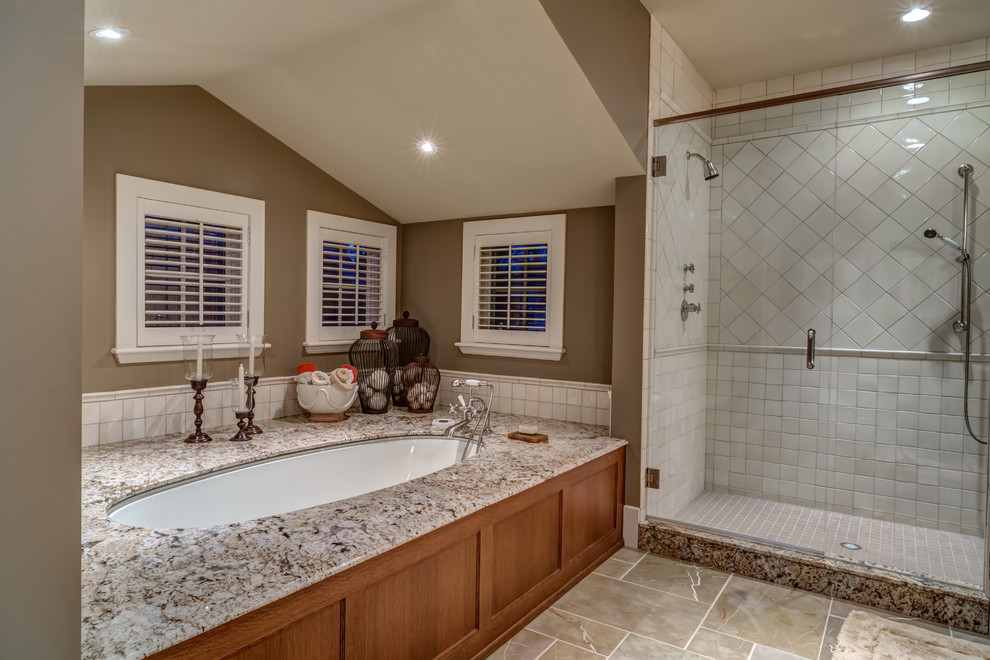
<point x="812" y="237"/>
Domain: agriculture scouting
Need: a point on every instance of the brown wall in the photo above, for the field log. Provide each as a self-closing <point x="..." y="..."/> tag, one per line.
<point x="185" y="135"/>
<point x="627" y="320"/>
<point x="41" y="54"/>
<point x="431" y="291"/>
<point x="610" y="41"/>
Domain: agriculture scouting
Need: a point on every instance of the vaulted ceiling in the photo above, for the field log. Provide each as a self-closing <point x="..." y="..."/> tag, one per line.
<point x="354" y="85"/>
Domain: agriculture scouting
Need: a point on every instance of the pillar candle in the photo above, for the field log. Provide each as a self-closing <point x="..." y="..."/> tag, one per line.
<point x="251" y="357"/>
<point x="199" y="358"/>
<point x="241" y="391"/>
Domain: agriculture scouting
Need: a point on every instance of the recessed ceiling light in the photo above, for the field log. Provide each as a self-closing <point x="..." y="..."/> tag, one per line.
<point x="110" y="33"/>
<point x="918" y="99"/>
<point x="427" y="147"/>
<point x="916" y="14"/>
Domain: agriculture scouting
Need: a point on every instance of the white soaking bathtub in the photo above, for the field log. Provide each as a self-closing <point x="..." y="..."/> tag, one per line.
<point x="291" y="482"/>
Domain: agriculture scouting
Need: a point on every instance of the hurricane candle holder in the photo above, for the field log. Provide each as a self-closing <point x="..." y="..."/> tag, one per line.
<point x="197" y="359"/>
<point x="251" y="350"/>
<point x="240" y="401"/>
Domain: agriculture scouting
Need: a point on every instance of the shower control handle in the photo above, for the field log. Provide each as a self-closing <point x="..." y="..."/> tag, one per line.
<point x="687" y="308"/>
<point x="811" y="348"/>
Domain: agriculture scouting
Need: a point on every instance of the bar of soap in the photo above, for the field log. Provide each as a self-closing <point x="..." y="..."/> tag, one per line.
<point x="528" y="428"/>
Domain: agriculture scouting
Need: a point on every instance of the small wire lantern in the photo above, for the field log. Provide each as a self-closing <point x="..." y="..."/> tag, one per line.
<point x="375" y="356"/>
<point x="411" y="341"/>
<point x="420" y="383"/>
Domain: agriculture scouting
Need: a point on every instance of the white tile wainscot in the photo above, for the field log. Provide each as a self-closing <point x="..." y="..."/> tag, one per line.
<point x="143" y="413"/>
<point x="564" y="400"/>
<point x="109" y="417"/>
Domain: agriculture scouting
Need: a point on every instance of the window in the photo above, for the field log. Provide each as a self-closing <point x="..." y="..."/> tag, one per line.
<point x="188" y="260"/>
<point x="350" y="279"/>
<point x="512" y="298"/>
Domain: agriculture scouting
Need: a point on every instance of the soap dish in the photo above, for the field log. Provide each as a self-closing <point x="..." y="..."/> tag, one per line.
<point x="528" y="437"/>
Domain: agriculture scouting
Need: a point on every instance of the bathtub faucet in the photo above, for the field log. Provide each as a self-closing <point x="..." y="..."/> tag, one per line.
<point x="474" y="408"/>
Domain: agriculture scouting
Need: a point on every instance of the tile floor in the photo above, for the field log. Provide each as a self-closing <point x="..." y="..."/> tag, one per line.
<point x="640" y="606"/>
<point x="944" y="555"/>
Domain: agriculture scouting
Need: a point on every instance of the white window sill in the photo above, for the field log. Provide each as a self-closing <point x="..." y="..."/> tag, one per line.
<point x="134" y="355"/>
<point x="511" y="351"/>
<point x="331" y="346"/>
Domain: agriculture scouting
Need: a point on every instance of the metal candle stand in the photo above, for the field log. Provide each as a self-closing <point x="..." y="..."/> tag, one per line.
<point x="198" y="435"/>
<point x="251" y="428"/>
<point x="242" y="432"/>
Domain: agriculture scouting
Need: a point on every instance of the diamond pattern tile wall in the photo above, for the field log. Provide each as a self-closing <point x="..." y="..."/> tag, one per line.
<point x="827" y="223"/>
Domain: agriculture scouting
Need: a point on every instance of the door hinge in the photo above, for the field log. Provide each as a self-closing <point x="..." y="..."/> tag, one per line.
<point x="653" y="477"/>
<point x="472" y="322"/>
<point x="658" y="166"/>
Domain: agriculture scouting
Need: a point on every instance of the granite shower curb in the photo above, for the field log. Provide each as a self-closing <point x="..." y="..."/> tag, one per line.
<point x="871" y="585"/>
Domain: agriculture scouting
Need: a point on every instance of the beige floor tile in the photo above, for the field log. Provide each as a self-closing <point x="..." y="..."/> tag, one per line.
<point x="579" y="631"/>
<point x="563" y="651"/>
<point x="716" y="645"/>
<point x="641" y="648"/>
<point x="761" y="652"/>
<point x="678" y="578"/>
<point x="969" y="636"/>
<point x="526" y="645"/>
<point x="647" y="612"/>
<point x="831" y="637"/>
<point x="613" y="568"/>
<point x="630" y="555"/>
<point x="771" y="615"/>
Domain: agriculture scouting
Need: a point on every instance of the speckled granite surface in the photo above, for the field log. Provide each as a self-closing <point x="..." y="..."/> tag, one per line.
<point x="144" y="590"/>
<point x="868" y="584"/>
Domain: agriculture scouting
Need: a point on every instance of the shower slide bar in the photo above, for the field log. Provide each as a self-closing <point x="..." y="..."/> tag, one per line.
<point x="827" y="93"/>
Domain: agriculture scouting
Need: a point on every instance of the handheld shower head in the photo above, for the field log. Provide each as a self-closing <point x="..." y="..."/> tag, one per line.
<point x="931" y="233"/>
<point x="710" y="171"/>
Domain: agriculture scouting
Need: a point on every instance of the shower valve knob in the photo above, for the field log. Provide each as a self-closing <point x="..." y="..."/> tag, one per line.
<point x="688" y="288"/>
<point x="688" y="268"/>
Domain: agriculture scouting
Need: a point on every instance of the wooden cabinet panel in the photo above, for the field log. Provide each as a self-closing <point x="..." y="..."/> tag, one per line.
<point x="419" y="612"/>
<point x="315" y="637"/>
<point x="590" y="511"/>
<point x="526" y="550"/>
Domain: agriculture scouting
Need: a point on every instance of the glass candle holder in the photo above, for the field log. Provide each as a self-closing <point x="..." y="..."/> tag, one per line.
<point x="251" y="352"/>
<point x="197" y="356"/>
<point x="240" y="395"/>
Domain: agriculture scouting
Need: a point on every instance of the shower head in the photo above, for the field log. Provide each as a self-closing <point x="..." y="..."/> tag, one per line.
<point x="931" y="233"/>
<point x="710" y="171"/>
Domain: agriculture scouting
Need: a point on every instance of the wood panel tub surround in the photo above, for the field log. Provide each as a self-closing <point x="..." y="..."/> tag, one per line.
<point x="457" y="592"/>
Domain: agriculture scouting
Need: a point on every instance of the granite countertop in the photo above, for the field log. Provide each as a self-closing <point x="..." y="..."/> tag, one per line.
<point x="144" y="590"/>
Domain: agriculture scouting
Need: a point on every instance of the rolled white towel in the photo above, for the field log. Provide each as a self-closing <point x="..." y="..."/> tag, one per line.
<point x="320" y="378"/>
<point x="341" y="379"/>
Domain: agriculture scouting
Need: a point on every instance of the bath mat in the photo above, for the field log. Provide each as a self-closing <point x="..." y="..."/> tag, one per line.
<point x="867" y="637"/>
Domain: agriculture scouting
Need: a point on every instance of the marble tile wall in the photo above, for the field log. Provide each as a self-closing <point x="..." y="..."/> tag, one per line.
<point x="879" y="437"/>
<point x="109" y="417"/>
<point x="821" y="227"/>
<point x="677" y="234"/>
<point x="677" y="429"/>
<point x="958" y="89"/>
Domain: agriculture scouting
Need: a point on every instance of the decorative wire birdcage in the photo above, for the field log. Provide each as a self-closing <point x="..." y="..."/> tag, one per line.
<point x="376" y="357"/>
<point x="420" y="383"/>
<point x="411" y="340"/>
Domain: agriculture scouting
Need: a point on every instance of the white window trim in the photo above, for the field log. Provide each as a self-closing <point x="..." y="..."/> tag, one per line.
<point x="315" y="221"/>
<point x="470" y="343"/>
<point x="131" y="191"/>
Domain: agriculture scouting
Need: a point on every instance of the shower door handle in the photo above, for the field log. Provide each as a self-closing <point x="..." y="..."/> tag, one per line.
<point x="811" y="348"/>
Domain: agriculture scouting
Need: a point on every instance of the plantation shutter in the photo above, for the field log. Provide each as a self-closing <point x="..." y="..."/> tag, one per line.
<point x="513" y="288"/>
<point x="194" y="267"/>
<point x="352" y="287"/>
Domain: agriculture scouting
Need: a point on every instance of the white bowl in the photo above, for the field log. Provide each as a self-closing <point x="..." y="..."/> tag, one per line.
<point x="325" y="399"/>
